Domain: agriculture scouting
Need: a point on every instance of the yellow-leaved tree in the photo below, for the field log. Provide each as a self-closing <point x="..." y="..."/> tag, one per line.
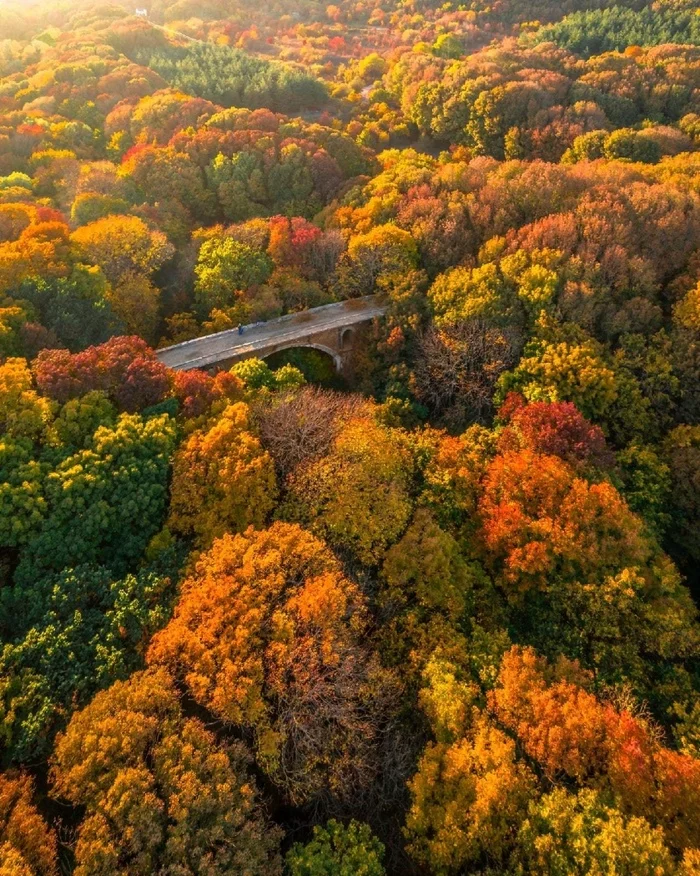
<point x="358" y="495"/>
<point x="223" y="480"/>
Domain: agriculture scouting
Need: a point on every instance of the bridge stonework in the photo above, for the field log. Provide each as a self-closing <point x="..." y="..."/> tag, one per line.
<point x="331" y="328"/>
<point x="334" y="342"/>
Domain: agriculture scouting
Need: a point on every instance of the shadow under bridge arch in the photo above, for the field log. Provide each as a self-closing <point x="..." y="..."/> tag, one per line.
<point x="336" y="358"/>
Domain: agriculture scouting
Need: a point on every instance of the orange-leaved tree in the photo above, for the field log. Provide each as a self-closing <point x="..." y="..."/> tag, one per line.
<point x="569" y="732"/>
<point x="270" y="636"/>
<point x="540" y="520"/>
<point x="601" y="590"/>
<point x="27" y="845"/>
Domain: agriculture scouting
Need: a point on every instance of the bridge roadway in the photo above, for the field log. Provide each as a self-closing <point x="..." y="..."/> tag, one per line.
<point x="264" y="338"/>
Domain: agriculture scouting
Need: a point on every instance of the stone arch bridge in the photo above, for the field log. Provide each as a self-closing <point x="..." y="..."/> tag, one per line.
<point x="330" y="328"/>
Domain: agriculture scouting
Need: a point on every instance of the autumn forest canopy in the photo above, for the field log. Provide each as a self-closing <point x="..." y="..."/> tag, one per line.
<point x="438" y="613"/>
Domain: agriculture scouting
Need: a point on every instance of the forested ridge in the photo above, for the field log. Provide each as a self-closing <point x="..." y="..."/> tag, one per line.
<point x="437" y="614"/>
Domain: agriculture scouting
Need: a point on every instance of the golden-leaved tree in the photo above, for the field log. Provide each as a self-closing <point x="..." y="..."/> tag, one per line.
<point x="358" y="495"/>
<point x="223" y="480"/>
<point x="160" y="793"/>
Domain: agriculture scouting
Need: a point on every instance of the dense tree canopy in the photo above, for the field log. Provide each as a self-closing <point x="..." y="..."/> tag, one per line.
<point x="433" y="614"/>
<point x="158" y="791"/>
<point x="269" y="635"/>
<point x="233" y="78"/>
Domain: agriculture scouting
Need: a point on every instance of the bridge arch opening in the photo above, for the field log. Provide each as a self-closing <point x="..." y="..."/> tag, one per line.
<point x="346" y="337"/>
<point x="319" y="364"/>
